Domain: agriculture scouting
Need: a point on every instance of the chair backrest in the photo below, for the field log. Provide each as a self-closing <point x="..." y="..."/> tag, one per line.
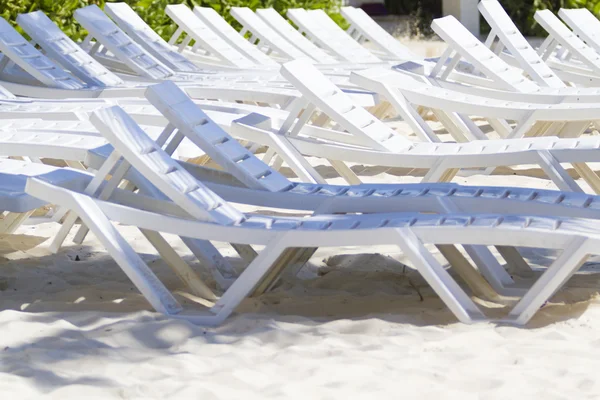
<point x="584" y="24"/>
<point x="31" y="60"/>
<point x="212" y="18"/>
<point x="135" y="27"/>
<point x="191" y="121"/>
<point x="509" y="35"/>
<point x="567" y="39"/>
<point x="265" y="33"/>
<point x="203" y="35"/>
<point x="287" y="31"/>
<point x="339" y="106"/>
<point x="370" y="29"/>
<point x="321" y="18"/>
<point x="63" y="50"/>
<point x="106" y="32"/>
<point x="470" y="48"/>
<point x="147" y="157"/>
<point x="318" y="26"/>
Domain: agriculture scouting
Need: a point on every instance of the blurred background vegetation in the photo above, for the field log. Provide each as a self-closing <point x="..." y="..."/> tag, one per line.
<point x="152" y="11"/>
<point x="521" y="12"/>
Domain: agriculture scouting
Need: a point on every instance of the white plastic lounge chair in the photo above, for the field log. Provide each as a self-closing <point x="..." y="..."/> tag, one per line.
<point x="212" y="19"/>
<point x="258" y="178"/>
<point x="199" y="213"/>
<point x="135" y="27"/>
<point x="78" y="148"/>
<point x="14" y="47"/>
<point x="194" y="29"/>
<point x="99" y="26"/>
<point x="31" y="61"/>
<point x="509" y="36"/>
<point x="183" y="114"/>
<point x="132" y="57"/>
<point x="64" y="51"/>
<point x="58" y="113"/>
<point x="576" y="54"/>
<point x="584" y="24"/>
<point x="259" y="75"/>
<point x="320" y="17"/>
<point x="142" y="112"/>
<point x="333" y="199"/>
<point x="262" y="34"/>
<point x="370" y="141"/>
<point x="338" y="43"/>
<point x="462" y="43"/>
<point x="363" y="27"/>
<point x="496" y="73"/>
<point x="60" y="47"/>
<point x="452" y="108"/>
<point x="231" y="86"/>
<point x="285" y="29"/>
<point x="301" y="48"/>
<point x="523" y="55"/>
<point x="15" y="204"/>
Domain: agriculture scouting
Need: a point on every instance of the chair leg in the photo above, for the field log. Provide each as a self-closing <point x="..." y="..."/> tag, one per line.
<point x="70" y="219"/>
<point x="467" y="272"/>
<point x="588" y="175"/>
<point x="523" y="127"/>
<point x="293" y="258"/>
<point x="571" y="259"/>
<point x="557" y="173"/>
<point x="130" y="262"/>
<point x="487" y="264"/>
<point x="287" y="257"/>
<point x="345" y="172"/>
<point x="493" y="272"/>
<point x="245" y="251"/>
<point x="109" y="187"/>
<point x="212" y="259"/>
<point x="438" y="278"/>
<point x="440" y="173"/>
<point x="62" y="233"/>
<point x="250" y="279"/>
<point x="179" y="266"/>
<point x="12" y="221"/>
<point x="512" y="256"/>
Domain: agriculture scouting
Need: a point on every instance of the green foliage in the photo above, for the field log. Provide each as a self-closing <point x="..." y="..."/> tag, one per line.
<point x="520" y="11"/>
<point x="152" y="11"/>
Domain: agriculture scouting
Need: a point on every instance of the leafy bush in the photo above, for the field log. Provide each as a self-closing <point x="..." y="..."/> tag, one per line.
<point x="152" y="11"/>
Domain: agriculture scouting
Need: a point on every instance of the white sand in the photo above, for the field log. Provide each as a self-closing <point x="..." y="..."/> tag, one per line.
<point x="352" y="325"/>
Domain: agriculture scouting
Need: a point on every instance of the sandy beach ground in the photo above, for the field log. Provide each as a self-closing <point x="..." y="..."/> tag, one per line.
<point x="356" y="323"/>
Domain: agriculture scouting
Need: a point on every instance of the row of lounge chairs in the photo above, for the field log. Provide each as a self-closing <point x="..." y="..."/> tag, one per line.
<point x="127" y="111"/>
